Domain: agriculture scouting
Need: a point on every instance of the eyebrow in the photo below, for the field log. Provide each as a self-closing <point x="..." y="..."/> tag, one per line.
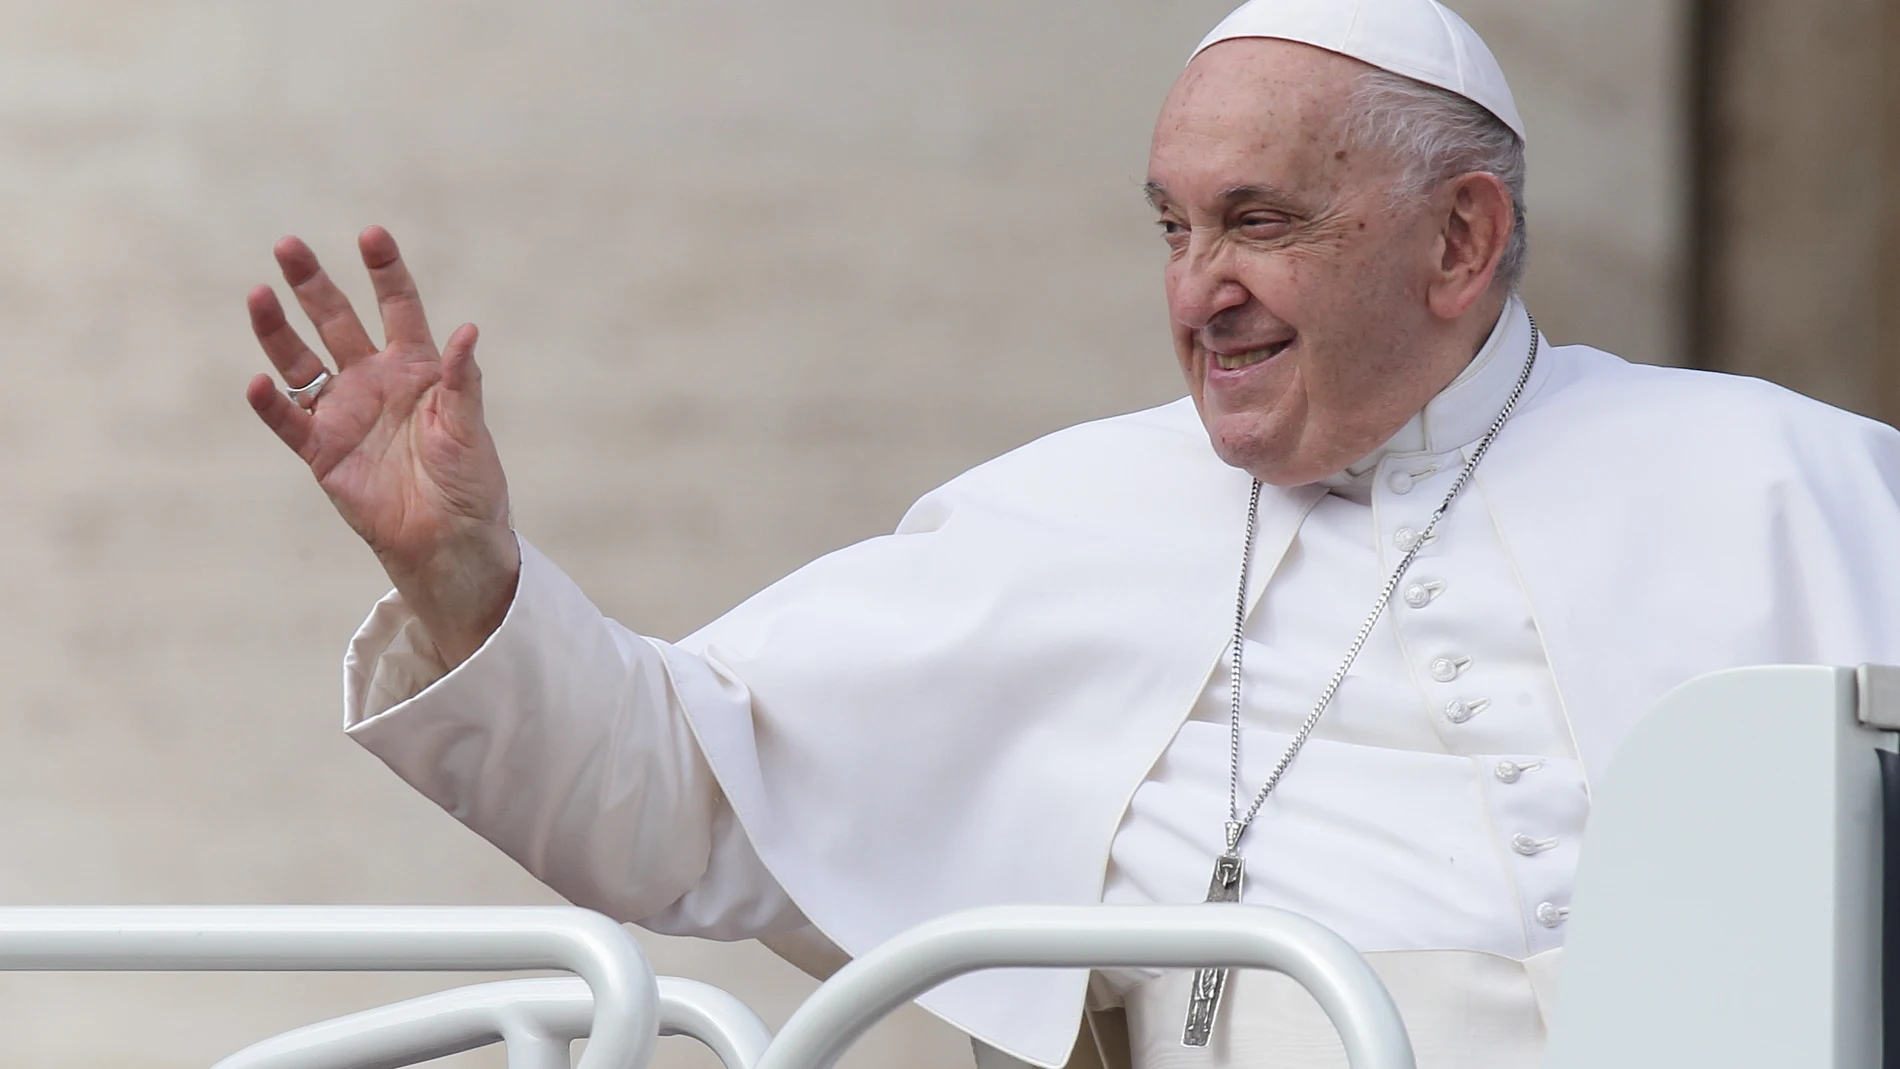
<point x="1271" y="194"/>
<point x="1157" y="194"/>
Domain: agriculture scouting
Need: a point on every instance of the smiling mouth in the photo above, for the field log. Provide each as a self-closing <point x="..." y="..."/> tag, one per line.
<point x="1250" y="357"/>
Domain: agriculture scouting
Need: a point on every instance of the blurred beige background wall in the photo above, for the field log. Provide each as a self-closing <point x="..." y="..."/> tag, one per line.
<point x="1798" y="205"/>
<point x="752" y="276"/>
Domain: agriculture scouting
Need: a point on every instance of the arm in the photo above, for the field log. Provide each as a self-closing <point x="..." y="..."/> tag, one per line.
<point x="487" y="680"/>
<point x="563" y="741"/>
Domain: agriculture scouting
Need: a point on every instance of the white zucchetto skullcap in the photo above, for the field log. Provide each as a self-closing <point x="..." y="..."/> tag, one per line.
<point x="1421" y="39"/>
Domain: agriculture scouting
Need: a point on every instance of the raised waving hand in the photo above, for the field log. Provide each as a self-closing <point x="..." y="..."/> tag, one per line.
<point x="396" y="437"/>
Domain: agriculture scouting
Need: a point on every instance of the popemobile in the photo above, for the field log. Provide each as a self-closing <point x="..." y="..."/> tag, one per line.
<point x="1731" y="910"/>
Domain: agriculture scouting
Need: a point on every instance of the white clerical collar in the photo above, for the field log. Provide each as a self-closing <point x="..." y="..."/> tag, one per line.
<point x="1462" y="411"/>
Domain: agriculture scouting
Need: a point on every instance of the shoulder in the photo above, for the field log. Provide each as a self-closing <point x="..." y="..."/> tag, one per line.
<point x="1123" y="445"/>
<point x="1175" y="425"/>
<point x="1092" y="473"/>
<point x="1676" y="413"/>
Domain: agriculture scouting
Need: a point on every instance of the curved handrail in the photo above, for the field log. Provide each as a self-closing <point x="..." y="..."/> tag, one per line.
<point x="542" y="1015"/>
<point x="355" y="938"/>
<point x="715" y="1017"/>
<point x="845" y="1006"/>
<point x="537" y="1019"/>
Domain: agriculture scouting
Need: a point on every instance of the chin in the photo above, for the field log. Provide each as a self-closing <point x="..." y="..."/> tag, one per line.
<point x="1255" y="445"/>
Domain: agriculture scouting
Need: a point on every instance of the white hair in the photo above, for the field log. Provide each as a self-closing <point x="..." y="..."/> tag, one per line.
<point x="1434" y="134"/>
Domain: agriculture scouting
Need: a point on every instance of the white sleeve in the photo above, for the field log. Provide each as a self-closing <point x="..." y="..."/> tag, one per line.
<point x="563" y="742"/>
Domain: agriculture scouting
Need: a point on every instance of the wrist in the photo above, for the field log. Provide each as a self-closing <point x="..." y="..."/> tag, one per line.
<point x="463" y="592"/>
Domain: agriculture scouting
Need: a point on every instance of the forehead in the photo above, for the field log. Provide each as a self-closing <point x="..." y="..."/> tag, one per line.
<point x="1253" y="109"/>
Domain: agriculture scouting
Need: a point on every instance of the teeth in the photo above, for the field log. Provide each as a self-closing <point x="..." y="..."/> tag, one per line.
<point x="1236" y="361"/>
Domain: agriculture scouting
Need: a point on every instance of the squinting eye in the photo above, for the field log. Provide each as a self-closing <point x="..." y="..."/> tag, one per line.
<point x="1170" y="228"/>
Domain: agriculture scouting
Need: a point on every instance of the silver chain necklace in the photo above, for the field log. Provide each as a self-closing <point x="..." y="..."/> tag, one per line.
<point x="1229" y="869"/>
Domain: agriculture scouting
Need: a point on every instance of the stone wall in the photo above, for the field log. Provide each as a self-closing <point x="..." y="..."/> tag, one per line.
<point x="751" y="276"/>
<point x="1604" y="92"/>
<point x="1800" y="199"/>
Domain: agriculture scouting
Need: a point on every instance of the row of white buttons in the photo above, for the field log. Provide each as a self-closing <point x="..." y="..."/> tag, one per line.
<point x="1548" y="914"/>
<point x="1443" y="669"/>
<point x="1447" y="670"/>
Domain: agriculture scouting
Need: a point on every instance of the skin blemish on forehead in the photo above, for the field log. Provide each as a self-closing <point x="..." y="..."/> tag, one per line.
<point x="1274" y="146"/>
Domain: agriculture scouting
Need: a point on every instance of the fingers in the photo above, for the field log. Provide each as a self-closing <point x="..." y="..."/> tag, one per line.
<point x="287" y="352"/>
<point x="461" y="379"/>
<point x="403" y="321"/>
<point x="291" y="424"/>
<point x="336" y="322"/>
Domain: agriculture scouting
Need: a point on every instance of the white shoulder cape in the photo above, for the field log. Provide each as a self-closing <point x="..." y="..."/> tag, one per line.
<point x="956" y="714"/>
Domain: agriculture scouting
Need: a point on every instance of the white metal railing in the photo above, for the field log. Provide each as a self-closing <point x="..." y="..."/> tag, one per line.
<point x="356" y="938"/>
<point x="623" y="1008"/>
<point x="714" y="1017"/>
<point x="1258" y="937"/>
<point x="539" y="1018"/>
<point x="536" y="1019"/>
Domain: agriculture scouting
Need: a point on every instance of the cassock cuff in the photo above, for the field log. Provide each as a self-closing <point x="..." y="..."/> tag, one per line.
<point x="391" y="659"/>
<point x="554" y="741"/>
<point x="562" y="741"/>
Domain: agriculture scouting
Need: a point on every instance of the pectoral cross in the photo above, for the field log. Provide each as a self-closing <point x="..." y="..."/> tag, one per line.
<point x="1209" y="982"/>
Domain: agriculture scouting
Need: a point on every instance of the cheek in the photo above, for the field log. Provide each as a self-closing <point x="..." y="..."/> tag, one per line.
<point x="1325" y="292"/>
<point x="1172" y="282"/>
<point x="1384" y="260"/>
<point x="1283" y="283"/>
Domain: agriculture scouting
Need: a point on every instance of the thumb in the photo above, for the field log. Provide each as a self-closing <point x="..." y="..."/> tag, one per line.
<point x="461" y="378"/>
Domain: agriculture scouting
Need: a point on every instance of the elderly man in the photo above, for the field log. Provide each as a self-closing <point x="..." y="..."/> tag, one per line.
<point x="1393" y="546"/>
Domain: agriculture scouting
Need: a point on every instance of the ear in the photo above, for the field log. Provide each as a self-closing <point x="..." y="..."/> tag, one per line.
<point x="1477" y="227"/>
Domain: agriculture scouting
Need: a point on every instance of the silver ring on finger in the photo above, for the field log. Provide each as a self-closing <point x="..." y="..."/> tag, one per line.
<point x="307" y="394"/>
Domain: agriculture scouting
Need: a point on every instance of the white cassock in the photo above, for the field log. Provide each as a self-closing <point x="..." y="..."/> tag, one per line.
<point x="1020" y="696"/>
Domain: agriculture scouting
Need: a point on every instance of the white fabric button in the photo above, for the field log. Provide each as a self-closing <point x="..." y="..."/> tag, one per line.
<point x="1419" y="595"/>
<point x="1446" y="669"/>
<point x="1530" y="847"/>
<point x="1511" y="771"/>
<point x="1400" y="482"/>
<point x="1404" y="538"/>
<point x="1550" y="914"/>
<point x="1461" y="711"/>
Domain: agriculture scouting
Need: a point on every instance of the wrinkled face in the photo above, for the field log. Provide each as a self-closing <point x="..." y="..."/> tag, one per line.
<point x="1297" y="291"/>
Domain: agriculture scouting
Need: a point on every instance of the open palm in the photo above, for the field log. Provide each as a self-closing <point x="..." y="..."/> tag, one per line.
<point x="397" y="437"/>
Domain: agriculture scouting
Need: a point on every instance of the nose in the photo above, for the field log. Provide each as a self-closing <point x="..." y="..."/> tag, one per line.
<point x="1202" y="283"/>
